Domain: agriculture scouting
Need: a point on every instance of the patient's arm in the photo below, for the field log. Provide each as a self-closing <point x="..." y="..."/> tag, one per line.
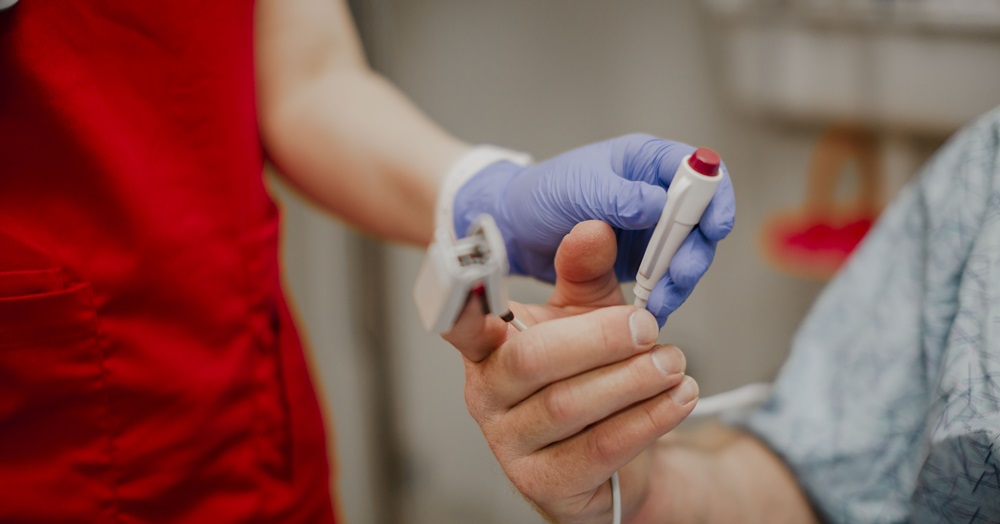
<point x="719" y="474"/>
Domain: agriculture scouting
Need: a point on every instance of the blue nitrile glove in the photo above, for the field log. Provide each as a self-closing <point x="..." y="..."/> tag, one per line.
<point x="619" y="181"/>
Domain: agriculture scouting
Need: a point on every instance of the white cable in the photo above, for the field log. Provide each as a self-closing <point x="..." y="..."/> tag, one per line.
<point x="688" y="196"/>
<point x="736" y="399"/>
<point x="616" y="500"/>
<point x="616" y="491"/>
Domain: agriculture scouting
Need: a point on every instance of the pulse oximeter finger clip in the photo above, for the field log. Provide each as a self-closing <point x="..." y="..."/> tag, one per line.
<point x="454" y="268"/>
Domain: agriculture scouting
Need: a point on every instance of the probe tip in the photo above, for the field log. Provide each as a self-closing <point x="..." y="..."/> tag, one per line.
<point x="705" y="162"/>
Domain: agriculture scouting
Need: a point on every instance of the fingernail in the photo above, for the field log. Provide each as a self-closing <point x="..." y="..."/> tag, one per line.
<point x="644" y="328"/>
<point x="684" y="392"/>
<point x="668" y="359"/>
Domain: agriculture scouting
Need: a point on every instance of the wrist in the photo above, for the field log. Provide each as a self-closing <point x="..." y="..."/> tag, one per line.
<point x="474" y="185"/>
<point x="677" y="480"/>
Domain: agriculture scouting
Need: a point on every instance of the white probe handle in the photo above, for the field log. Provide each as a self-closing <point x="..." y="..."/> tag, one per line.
<point x="687" y="197"/>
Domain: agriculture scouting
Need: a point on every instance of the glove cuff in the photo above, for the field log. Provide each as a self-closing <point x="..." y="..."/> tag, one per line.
<point x="461" y="171"/>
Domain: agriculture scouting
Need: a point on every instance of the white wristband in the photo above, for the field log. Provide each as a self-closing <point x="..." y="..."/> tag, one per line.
<point x="465" y="167"/>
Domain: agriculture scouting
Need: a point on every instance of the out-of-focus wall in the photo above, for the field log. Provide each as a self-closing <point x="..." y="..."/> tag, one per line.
<point x="545" y="77"/>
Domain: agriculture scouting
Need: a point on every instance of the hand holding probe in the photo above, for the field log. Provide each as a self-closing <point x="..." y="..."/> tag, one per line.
<point x="689" y="193"/>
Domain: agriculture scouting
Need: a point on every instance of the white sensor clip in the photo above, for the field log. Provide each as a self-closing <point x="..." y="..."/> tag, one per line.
<point x="453" y="269"/>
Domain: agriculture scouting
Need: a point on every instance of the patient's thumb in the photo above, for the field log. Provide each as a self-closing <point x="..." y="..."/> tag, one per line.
<point x="585" y="267"/>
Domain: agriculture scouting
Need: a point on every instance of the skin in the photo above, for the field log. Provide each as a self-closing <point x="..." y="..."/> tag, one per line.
<point x="338" y="131"/>
<point x="585" y="392"/>
<point x="568" y="402"/>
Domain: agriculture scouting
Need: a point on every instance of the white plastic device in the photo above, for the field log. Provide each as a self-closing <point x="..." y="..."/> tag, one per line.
<point x="689" y="193"/>
<point x="453" y="268"/>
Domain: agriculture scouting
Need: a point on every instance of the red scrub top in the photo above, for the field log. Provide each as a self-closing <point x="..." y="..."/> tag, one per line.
<point x="149" y="367"/>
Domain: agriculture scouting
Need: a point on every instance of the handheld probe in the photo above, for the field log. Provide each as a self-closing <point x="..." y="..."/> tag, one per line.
<point x="687" y="197"/>
<point x="689" y="193"/>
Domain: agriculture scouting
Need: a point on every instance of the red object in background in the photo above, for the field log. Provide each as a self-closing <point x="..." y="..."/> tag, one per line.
<point x="838" y="241"/>
<point x="813" y="246"/>
<point x="149" y="367"/>
<point x="815" y="240"/>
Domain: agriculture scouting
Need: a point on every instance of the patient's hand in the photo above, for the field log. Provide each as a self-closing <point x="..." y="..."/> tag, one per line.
<point x="579" y="395"/>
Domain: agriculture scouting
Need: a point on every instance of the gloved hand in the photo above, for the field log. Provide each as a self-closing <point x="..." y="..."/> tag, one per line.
<point x="619" y="181"/>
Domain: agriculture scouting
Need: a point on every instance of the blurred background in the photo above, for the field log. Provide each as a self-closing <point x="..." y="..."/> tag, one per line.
<point x="821" y="109"/>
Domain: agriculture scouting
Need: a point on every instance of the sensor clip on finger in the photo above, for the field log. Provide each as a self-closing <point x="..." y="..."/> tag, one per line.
<point x="454" y="268"/>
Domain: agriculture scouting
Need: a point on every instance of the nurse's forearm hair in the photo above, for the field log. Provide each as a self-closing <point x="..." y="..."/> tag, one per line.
<point x="341" y="133"/>
<point x="720" y="475"/>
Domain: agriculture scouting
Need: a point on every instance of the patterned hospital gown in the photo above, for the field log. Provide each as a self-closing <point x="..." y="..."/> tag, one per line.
<point x="888" y="409"/>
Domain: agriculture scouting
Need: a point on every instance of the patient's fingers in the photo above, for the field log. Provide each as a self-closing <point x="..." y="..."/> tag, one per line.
<point x="561" y="348"/>
<point x="564" y="408"/>
<point x="476" y="334"/>
<point x="586" y="460"/>
<point x="585" y="265"/>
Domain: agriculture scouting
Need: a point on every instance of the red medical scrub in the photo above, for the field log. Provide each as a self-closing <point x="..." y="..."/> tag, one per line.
<point x="149" y="367"/>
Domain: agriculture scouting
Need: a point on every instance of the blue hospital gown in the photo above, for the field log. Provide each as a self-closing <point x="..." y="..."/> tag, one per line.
<point x="888" y="409"/>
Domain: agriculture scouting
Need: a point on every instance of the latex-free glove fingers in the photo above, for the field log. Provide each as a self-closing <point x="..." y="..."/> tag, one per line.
<point x="565" y="408"/>
<point x="623" y="204"/>
<point x="688" y="266"/>
<point x="561" y="348"/>
<point x="720" y="215"/>
<point x="655" y="160"/>
<point x="647" y="158"/>
<point x="552" y="203"/>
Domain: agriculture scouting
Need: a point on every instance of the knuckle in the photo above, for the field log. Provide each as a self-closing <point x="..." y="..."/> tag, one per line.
<point x="643" y="379"/>
<point x="615" y="332"/>
<point x="605" y="330"/>
<point x="525" y="359"/>
<point x="559" y="404"/>
<point x="661" y="416"/>
<point x="603" y="446"/>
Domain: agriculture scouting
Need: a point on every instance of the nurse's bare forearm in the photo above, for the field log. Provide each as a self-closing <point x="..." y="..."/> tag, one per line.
<point x="353" y="144"/>
<point x="341" y="133"/>
<point x="721" y="475"/>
